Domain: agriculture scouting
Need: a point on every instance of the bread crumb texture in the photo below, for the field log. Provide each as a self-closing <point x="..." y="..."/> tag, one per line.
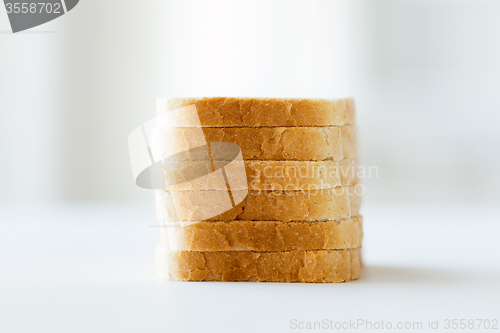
<point x="316" y="205"/>
<point x="262" y="235"/>
<point x="324" y="266"/>
<point x="271" y="112"/>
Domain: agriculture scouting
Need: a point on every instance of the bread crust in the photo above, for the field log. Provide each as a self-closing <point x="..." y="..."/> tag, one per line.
<point x="266" y="175"/>
<point x="263" y="143"/>
<point x="262" y="235"/>
<point x="284" y="143"/>
<point x="300" y="175"/>
<point x="317" y="205"/>
<point x="349" y="144"/>
<point x="265" y="112"/>
<point x="323" y="266"/>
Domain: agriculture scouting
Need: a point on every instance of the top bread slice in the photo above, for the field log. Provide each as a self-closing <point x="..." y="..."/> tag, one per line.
<point x="260" y="112"/>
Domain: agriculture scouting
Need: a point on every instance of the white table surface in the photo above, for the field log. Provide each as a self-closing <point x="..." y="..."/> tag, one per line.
<point x="90" y="268"/>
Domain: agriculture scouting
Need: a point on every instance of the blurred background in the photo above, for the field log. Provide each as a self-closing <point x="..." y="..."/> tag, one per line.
<point x="425" y="75"/>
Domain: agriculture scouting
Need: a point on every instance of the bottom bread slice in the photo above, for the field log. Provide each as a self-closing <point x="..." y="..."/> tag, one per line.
<point x="323" y="266"/>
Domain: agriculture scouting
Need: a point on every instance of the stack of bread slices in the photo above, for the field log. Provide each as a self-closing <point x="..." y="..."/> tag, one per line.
<point x="299" y="218"/>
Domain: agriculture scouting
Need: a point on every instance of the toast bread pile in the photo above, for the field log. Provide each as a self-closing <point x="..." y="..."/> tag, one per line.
<point x="292" y="216"/>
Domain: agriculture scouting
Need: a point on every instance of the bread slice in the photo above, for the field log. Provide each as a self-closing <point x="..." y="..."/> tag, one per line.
<point x="291" y="266"/>
<point x="262" y="235"/>
<point x="349" y="145"/>
<point x="348" y="171"/>
<point x="264" y="175"/>
<point x="263" y="143"/>
<point x="350" y="111"/>
<point x="316" y="205"/>
<point x="300" y="175"/>
<point x="263" y="112"/>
